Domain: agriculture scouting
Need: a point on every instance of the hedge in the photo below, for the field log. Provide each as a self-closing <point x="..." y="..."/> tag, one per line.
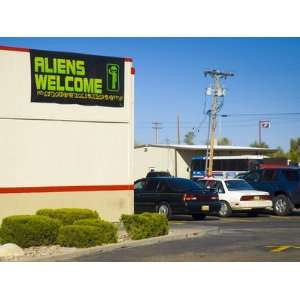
<point x="28" y="231"/>
<point x="145" y="225"/>
<point x="108" y="230"/>
<point x="68" y="215"/>
<point x="80" y="236"/>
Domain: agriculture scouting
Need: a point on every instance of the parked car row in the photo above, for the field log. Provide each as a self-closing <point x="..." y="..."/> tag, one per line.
<point x="173" y="195"/>
<point x="258" y="191"/>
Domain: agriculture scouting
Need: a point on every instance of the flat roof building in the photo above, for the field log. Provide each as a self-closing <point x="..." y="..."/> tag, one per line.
<point x="176" y="158"/>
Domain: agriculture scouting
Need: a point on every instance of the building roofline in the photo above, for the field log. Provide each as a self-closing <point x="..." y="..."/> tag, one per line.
<point x="204" y="147"/>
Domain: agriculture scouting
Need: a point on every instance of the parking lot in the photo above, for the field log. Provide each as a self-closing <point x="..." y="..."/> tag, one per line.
<point x="239" y="238"/>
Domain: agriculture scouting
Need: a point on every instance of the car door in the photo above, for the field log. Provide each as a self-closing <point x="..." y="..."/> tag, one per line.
<point x="145" y="196"/>
<point x="291" y="182"/>
<point x="268" y="181"/>
<point x="221" y="190"/>
<point x="167" y="193"/>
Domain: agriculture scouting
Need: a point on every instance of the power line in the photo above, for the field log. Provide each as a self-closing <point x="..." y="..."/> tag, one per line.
<point x="264" y="114"/>
<point x="156" y="127"/>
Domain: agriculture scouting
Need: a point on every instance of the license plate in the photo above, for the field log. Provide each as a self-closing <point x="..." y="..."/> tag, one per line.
<point x="205" y="208"/>
<point x="256" y="198"/>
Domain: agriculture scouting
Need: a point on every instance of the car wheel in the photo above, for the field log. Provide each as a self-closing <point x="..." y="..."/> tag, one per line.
<point x="225" y="209"/>
<point x="164" y="209"/>
<point x="282" y="205"/>
<point x="199" y="217"/>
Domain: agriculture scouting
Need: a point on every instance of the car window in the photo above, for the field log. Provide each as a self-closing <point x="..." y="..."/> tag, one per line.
<point x="252" y="176"/>
<point x="163" y="187"/>
<point x="151" y="185"/>
<point x="219" y="187"/>
<point x="139" y="185"/>
<point x="182" y="185"/>
<point x="238" y="185"/>
<point x="202" y="183"/>
<point x="291" y="175"/>
<point x="216" y="185"/>
<point x="268" y="175"/>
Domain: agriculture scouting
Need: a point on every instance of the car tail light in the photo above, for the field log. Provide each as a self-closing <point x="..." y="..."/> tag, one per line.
<point x="256" y="197"/>
<point x="247" y="198"/>
<point x="189" y="197"/>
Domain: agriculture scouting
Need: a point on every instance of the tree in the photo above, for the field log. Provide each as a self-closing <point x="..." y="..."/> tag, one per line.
<point x="189" y="138"/>
<point x="294" y="153"/>
<point x="259" y="145"/>
<point x="279" y="153"/>
<point x="224" y="141"/>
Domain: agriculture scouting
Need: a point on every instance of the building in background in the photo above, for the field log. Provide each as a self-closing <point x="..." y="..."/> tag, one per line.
<point x="66" y="123"/>
<point x="177" y="158"/>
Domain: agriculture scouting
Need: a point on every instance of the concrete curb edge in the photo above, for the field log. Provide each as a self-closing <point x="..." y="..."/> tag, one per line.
<point x="120" y="245"/>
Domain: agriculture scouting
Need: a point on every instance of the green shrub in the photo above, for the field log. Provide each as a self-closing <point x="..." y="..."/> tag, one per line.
<point x="27" y="231"/>
<point x="68" y="215"/>
<point x="145" y="225"/>
<point x="80" y="236"/>
<point x="108" y="230"/>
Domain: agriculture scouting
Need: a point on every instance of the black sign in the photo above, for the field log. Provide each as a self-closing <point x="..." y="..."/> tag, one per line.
<point x="70" y="78"/>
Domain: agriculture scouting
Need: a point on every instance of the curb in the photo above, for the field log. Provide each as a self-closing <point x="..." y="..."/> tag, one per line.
<point x="121" y="245"/>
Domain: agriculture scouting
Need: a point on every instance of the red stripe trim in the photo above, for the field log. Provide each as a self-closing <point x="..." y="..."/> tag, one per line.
<point x="14" y="49"/>
<point x="55" y="189"/>
<point x="132" y="71"/>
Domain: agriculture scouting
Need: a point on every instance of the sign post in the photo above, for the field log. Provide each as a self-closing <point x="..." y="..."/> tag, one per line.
<point x="262" y="124"/>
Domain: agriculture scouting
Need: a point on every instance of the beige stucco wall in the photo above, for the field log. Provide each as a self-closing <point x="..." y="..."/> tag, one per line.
<point x="183" y="163"/>
<point x="109" y="204"/>
<point x="159" y="159"/>
<point x="49" y="144"/>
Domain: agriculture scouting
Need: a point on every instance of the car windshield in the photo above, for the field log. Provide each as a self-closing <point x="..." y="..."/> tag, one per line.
<point x="183" y="185"/>
<point x="237" y="185"/>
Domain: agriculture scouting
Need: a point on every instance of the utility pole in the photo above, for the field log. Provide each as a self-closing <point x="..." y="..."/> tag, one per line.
<point x="156" y="126"/>
<point x="216" y="91"/>
<point x="259" y="132"/>
<point x="178" y="130"/>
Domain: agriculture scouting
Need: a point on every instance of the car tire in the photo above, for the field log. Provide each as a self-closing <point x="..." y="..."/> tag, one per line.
<point x="199" y="217"/>
<point x="282" y="205"/>
<point x="225" y="209"/>
<point x="164" y="209"/>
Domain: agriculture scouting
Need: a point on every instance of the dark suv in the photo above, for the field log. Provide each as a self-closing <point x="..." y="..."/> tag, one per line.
<point x="173" y="195"/>
<point x="158" y="174"/>
<point x="282" y="183"/>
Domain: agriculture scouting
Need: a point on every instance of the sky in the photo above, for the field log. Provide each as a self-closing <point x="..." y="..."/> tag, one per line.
<point x="170" y="81"/>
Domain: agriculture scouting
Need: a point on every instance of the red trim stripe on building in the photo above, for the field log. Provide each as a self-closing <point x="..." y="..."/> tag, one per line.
<point x="58" y="189"/>
<point x="8" y="48"/>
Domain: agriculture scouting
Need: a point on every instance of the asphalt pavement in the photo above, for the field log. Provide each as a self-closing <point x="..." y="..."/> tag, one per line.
<point x="238" y="238"/>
